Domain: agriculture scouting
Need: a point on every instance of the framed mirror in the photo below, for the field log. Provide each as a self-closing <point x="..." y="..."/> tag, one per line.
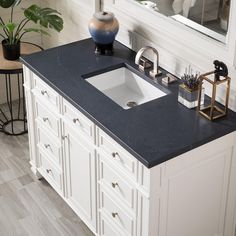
<point x="145" y="24"/>
<point x="209" y="17"/>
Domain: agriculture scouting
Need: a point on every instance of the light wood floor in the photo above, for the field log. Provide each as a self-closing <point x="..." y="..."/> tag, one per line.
<point x="30" y="207"/>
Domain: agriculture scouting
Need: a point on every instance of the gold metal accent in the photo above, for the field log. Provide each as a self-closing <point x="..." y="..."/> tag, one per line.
<point x="188" y="89"/>
<point x="114" y="214"/>
<point x="214" y="111"/>
<point x="114" y="185"/>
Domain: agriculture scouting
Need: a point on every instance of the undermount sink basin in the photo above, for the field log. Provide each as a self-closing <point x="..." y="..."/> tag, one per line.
<point x="125" y="87"/>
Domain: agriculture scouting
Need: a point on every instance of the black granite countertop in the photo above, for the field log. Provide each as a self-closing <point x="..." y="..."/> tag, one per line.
<point x="153" y="132"/>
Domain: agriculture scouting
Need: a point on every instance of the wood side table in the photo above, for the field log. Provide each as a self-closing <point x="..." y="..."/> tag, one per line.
<point x="12" y="108"/>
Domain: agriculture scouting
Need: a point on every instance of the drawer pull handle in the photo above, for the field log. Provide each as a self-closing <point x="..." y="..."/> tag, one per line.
<point x="76" y="120"/>
<point x="47" y="145"/>
<point x="43" y="92"/>
<point x="114" y="185"/>
<point x="114" y="154"/>
<point x="48" y="170"/>
<point x="64" y="137"/>
<point x="45" y="119"/>
<point x="114" y="215"/>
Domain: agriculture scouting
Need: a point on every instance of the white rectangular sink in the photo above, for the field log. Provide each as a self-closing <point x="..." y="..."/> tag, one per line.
<point x="125" y="87"/>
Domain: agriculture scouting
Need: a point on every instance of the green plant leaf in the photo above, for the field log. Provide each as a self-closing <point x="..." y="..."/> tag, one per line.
<point x="10" y="26"/>
<point x="48" y="10"/>
<point x="5" y="33"/>
<point x="32" y="13"/>
<point x="36" y="31"/>
<point x="46" y="17"/>
<point x="6" y="3"/>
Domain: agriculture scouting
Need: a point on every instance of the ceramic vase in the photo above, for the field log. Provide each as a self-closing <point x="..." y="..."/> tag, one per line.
<point x="103" y="28"/>
<point x="10" y="52"/>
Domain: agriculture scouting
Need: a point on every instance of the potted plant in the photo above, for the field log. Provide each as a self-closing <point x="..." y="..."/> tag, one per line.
<point x="189" y="89"/>
<point x="12" y="32"/>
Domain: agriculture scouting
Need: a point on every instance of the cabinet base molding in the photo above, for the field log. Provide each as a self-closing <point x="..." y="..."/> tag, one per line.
<point x="35" y="172"/>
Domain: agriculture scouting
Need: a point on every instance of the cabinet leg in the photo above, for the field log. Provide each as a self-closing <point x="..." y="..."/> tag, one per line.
<point x="36" y="173"/>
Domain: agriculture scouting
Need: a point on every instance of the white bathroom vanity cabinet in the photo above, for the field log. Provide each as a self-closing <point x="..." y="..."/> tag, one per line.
<point x="193" y="194"/>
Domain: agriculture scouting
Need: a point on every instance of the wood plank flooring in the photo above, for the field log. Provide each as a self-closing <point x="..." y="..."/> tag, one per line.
<point x="30" y="207"/>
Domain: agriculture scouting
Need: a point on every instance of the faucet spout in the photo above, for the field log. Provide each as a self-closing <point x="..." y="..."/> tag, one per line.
<point x="138" y="60"/>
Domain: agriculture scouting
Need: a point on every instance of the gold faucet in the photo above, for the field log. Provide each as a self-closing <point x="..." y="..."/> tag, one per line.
<point x="143" y="63"/>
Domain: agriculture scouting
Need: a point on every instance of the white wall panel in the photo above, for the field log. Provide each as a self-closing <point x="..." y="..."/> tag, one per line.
<point x="76" y="15"/>
<point x="136" y="32"/>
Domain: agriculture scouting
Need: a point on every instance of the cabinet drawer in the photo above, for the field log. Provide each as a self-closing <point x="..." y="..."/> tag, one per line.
<point x="79" y="121"/>
<point x="50" y="172"/>
<point x="116" y="214"/>
<point x="118" y="155"/>
<point x="117" y="185"/>
<point x="45" y="92"/>
<point x="49" y="144"/>
<point x="50" y="120"/>
<point x="109" y="229"/>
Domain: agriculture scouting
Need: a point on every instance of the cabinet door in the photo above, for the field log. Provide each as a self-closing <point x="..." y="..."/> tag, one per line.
<point x="194" y="197"/>
<point x="80" y="176"/>
<point x="30" y="107"/>
<point x="31" y="129"/>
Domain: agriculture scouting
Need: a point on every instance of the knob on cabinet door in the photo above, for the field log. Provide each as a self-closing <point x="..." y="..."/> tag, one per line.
<point x="114" y="185"/>
<point x="46" y="145"/>
<point x="75" y="120"/>
<point x="43" y="92"/>
<point x="114" y="154"/>
<point x="64" y="137"/>
<point x="45" y="119"/>
<point x="114" y="214"/>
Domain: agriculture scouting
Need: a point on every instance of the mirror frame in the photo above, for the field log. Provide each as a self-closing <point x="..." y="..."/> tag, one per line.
<point x="194" y="25"/>
<point x="181" y="37"/>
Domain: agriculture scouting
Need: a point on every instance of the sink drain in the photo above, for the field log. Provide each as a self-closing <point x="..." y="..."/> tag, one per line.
<point x="131" y="104"/>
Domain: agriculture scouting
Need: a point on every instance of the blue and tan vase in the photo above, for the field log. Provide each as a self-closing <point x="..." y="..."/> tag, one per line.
<point x="103" y="28"/>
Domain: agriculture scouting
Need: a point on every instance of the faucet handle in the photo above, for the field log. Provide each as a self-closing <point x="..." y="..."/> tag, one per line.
<point x="144" y="63"/>
<point x="153" y="74"/>
<point x="168" y="79"/>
